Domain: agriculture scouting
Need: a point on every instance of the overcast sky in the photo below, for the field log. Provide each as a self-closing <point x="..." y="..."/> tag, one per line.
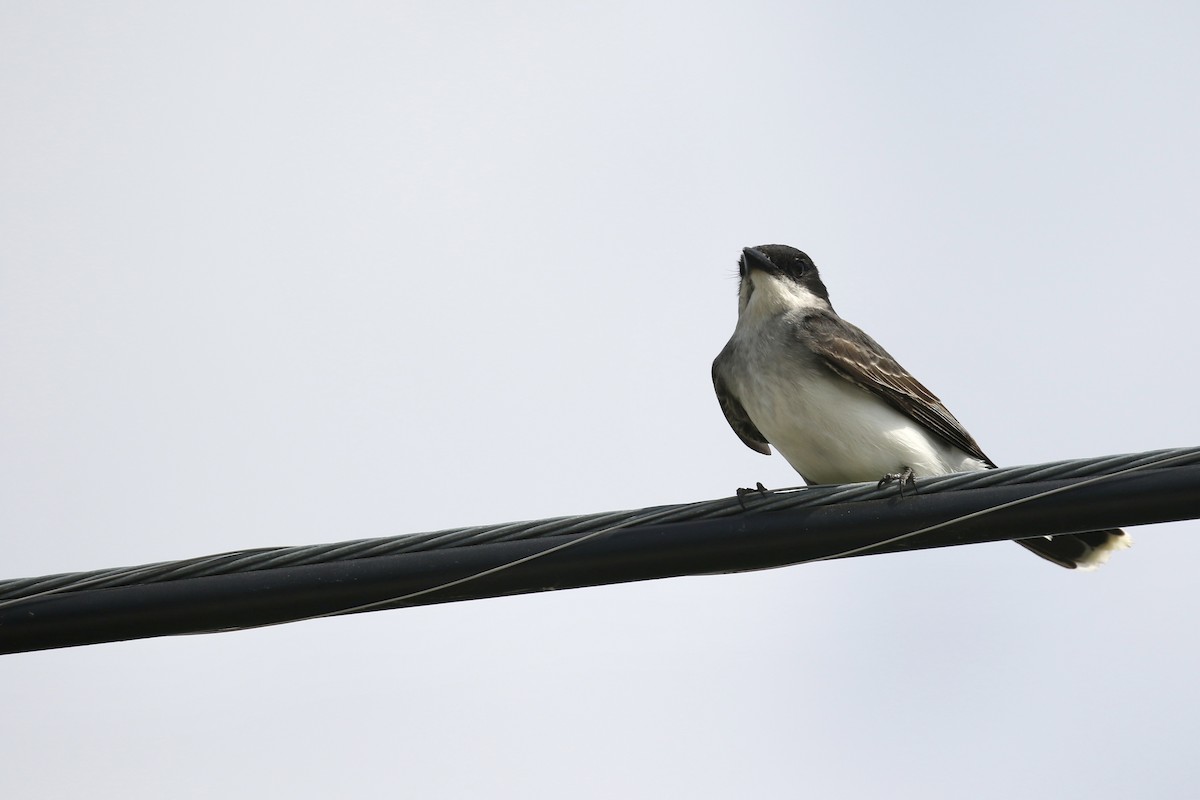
<point x="286" y="273"/>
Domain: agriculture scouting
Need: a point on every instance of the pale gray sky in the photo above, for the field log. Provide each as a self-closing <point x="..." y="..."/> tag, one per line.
<point x="283" y="273"/>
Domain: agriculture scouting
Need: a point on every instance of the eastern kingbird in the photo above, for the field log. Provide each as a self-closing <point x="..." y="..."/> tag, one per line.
<point x="836" y="405"/>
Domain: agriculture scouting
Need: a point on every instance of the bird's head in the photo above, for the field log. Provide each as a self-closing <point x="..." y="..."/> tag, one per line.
<point x="776" y="279"/>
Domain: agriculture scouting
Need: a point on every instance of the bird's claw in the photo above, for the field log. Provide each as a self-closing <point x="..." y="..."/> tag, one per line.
<point x="905" y="477"/>
<point x="758" y="487"/>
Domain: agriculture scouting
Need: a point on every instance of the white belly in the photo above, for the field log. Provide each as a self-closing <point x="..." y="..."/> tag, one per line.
<point x="832" y="431"/>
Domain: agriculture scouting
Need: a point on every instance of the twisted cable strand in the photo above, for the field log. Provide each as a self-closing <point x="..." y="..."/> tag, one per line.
<point x="276" y="557"/>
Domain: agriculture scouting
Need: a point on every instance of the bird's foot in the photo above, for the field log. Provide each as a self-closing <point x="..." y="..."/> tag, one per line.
<point x="905" y="477"/>
<point x="759" y="488"/>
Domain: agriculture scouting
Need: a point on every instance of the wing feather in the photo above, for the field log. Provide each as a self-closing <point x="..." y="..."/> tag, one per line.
<point x="735" y="413"/>
<point x="859" y="359"/>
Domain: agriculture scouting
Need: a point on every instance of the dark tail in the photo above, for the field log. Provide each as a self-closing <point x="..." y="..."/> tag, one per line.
<point x="1079" y="550"/>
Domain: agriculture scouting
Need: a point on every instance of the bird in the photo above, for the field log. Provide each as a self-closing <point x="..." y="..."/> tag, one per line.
<point x="837" y="406"/>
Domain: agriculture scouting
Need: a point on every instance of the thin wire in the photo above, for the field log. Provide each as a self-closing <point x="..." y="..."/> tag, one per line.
<point x="988" y="510"/>
<point x="26" y="589"/>
<point x="1144" y="464"/>
<point x="449" y="584"/>
<point x="842" y="554"/>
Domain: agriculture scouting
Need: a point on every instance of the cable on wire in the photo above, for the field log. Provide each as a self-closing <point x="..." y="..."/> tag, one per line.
<point x="271" y="585"/>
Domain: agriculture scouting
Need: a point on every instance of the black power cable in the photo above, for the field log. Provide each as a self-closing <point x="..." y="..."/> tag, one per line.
<point x="271" y="586"/>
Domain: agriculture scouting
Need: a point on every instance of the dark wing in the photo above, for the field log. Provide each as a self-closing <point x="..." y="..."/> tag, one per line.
<point x="736" y="415"/>
<point x="859" y="359"/>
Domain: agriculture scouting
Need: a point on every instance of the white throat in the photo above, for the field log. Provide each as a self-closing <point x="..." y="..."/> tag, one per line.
<point x="764" y="296"/>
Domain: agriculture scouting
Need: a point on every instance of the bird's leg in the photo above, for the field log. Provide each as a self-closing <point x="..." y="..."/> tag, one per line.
<point x="741" y="493"/>
<point x="905" y="477"/>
